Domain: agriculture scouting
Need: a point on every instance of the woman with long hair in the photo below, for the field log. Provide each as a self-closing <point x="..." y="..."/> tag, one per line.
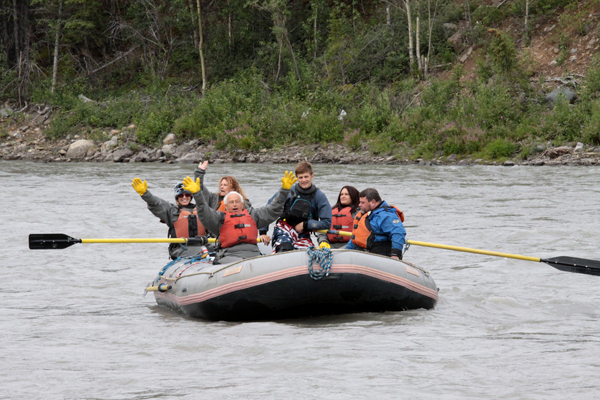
<point x="226" y="184"/>
<point x="342" y="217"/>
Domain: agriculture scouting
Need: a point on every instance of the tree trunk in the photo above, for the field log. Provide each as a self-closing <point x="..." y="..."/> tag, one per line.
<point x="5" y="36"/>
<point x="56" y="43"/>
<point x="410" y="37"/>
<point x="468" y="11"/>
<point x="229" y="25"/>
<point x="388" y="15"/>
<point x="16" y="31"/>
<point x="315" y="32"/>
<point x="418" y="47"/>
<point x="26" y="50"/>
<point x="526" y="19"/>
<point x="194" y="30"/>
<point x="200" y="45"/>
<point x="430" y="26"/>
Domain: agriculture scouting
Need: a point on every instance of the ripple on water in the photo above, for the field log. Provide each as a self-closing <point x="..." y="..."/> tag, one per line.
<point x="75" y="323"/>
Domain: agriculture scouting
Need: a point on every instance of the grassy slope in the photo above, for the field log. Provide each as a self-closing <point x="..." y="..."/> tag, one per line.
<point x="492" y="106"/>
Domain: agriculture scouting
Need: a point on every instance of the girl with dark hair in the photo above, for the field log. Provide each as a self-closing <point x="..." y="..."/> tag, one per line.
<point x="342" y="214"/>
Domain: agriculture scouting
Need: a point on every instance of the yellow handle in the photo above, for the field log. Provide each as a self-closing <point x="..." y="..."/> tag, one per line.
<point x="163" y="287"/>
<point x="476" y="251"/>
<point x="339" y="233"/>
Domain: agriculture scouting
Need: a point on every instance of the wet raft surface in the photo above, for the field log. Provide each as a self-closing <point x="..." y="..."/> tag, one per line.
<point x="279" y="286"/>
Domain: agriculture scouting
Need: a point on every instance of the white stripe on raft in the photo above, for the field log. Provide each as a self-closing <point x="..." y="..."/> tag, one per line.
<point x="296" y="271"/>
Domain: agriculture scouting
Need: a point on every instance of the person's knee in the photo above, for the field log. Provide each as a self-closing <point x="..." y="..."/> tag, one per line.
<point x="284" y="247"/>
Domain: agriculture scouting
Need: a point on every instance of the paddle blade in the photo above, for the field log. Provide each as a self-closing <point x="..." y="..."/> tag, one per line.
<point x="573" y="264"/>
<point x="51" y="241"/>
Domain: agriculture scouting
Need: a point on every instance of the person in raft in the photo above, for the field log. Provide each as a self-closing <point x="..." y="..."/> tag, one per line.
<point x="237" y="226"/>
<point x="181" y="217"/>
<point x="378" y="227"/>
<point x="342" y="218"/>
<point x="306" y="209"/>
<point x="226" y="184"/>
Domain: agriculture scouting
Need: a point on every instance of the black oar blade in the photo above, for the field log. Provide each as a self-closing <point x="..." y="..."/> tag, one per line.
<point x="51" y="241"/>
<point x="574" y="264"/>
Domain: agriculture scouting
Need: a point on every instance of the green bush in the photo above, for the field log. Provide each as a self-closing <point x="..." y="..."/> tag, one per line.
<point x="501" y="148"/>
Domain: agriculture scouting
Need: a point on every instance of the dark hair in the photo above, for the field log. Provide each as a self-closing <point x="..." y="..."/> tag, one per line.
<point x="303" y="167"/>
<point x="370" y="194"/>
<point x="353" y="192"/>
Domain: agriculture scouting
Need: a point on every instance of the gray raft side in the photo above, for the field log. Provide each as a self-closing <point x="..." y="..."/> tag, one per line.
<point x="200" y="277"/>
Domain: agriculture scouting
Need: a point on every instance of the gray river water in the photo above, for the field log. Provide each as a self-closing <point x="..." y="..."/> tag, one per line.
<point x="74" y="323"/>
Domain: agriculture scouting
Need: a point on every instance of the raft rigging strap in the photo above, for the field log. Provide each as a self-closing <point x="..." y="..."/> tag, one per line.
<point x="323" y="258"/>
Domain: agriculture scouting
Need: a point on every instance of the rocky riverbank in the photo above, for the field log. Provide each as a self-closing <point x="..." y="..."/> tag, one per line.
<point x="24" y="138"/>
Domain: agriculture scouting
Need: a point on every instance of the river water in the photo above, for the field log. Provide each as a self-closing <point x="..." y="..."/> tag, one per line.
<point x="75" y="324"/>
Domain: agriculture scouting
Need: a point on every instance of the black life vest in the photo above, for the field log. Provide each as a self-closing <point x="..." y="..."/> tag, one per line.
<point x="298" y="208"/>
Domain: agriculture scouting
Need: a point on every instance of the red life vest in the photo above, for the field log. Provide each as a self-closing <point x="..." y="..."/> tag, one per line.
<point x="341" y="220"/>
<point x="362" y="234"/>
<point x="238" y="228"/>
<point x="221" y="206"/>
<point x="187" y="225"/>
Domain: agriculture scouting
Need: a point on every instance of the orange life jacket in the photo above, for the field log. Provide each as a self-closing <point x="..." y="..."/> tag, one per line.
<point x="341" y="220"/>
<point x="221" y="206"/>
<point x="362" y="234"/>
<point x="188" y="225"/>
<point x="238" y="228"/>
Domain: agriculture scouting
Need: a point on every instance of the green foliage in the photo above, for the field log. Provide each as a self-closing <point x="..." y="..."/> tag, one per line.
<point x="489" y="16"/>
<point x="500" y="148"/>
<point x="502" y="52"/>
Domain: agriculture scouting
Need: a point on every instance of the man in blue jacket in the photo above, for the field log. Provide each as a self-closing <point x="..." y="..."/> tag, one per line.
<point x="306" y="210"/>
<point x="377" y="227"/>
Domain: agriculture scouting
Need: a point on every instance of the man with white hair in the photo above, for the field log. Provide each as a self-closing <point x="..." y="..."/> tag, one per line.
<point x="237" y="226"/>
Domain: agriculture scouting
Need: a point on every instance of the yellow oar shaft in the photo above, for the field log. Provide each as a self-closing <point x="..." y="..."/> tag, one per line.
<point x="145" y="240"/>
<point x="140" y="240"/>
<point x="476" y="251"/>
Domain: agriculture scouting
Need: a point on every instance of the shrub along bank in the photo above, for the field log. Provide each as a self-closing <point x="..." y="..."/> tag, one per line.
<point x="492" y="116"/>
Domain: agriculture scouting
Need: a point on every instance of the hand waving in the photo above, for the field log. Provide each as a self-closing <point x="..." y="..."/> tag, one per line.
<point x="288" y="180"/>
<point x="190" y="185"/>
<point x="140" y="186"/>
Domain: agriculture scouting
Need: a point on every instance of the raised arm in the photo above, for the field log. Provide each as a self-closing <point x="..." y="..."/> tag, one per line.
<point x="212" y="199"/>
<point x="157" y="206"/>
<point x="208" y="216"/>
<point x="272" y="211"/>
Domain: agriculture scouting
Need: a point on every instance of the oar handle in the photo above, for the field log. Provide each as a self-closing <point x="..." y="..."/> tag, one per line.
<point x="333" y="232"/>
<point x="476" y="251"/>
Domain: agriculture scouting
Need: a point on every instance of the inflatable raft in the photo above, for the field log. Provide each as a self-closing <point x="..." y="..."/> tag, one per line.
<point x="279" y="286"/>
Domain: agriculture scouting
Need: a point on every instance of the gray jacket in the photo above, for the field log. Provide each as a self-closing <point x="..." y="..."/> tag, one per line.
<point x="212" y="199"/>
<point x="213" y="220"/>
<point x="169" y="213"/>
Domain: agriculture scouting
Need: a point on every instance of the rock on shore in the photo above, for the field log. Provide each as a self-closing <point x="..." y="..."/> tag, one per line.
<point x="27" y="141"/>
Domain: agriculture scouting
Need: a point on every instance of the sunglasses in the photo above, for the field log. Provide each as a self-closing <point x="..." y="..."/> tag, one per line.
<point x="184" y="195"/>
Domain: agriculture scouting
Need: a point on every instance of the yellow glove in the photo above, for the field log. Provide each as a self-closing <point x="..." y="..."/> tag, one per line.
<point x="140" y="186"/>
<point x="324" y="245"/>
<point x="190" y="185"/>
<point x="288" y="180"/>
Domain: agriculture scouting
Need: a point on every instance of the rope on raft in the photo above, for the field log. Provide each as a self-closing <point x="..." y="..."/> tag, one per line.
<point x="323" y="258"/>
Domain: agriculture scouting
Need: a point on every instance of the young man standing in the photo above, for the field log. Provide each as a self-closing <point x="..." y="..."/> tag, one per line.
<point x="378" y="227"/>
<point x="306" y="210"/>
